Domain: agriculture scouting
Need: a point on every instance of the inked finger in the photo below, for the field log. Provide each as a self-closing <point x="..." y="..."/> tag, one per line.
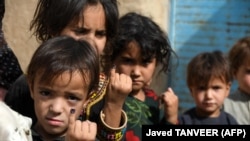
<point x="72" y="118"/>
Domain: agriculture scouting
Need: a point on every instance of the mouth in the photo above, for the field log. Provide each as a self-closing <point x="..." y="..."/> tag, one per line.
<point x="137" y="82"/>
<point x="208" y="103"/>
<point x="54" y="122"/>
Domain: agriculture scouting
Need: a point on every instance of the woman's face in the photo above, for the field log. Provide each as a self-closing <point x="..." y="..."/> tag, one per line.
<point x="92" y="27"/>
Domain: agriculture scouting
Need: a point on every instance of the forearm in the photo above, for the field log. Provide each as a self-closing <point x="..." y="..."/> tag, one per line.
<point x="113" y="113"/>
<point x="172" y="119"/>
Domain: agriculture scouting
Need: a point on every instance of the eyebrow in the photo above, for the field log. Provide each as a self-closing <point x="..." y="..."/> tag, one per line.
<point x="75" y="93"/>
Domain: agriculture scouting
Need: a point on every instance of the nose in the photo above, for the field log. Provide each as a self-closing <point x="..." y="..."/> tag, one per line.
<point x="135" y="70"/>
<point x="89" y="37"/>
<point x="56" y="106"/>
<point x="209" y="93"/>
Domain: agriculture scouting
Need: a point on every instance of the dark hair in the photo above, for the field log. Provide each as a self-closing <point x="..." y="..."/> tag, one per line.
<point x="239" y="54"/>
<point x="61" y="54"/>
<point x="52" y="16"/>
<point x="152" y="40"/>
<point x="206" y="66"/>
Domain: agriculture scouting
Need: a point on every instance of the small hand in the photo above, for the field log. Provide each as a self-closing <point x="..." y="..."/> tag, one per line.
<point x="120" y="86"/>
<point x="80" y="130"/>
<point x="171" y="102"/>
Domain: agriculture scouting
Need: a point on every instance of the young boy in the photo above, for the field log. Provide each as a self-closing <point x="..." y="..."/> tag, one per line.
<point x="209" y="82"/>
<point x="61" y="75"/>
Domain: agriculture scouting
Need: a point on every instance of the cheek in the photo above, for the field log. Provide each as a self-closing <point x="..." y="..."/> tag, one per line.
<point x="197" y="96"/>
<point x="40" y="109"/>
<point x="149" y="72"/>
<point x="67" y="32"/>
<point x="246" y="79"/>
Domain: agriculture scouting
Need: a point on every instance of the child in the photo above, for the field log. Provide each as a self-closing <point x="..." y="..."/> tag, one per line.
<point x="95" y="20"/>
<point x="141" y="46"/>
<point x="209" y="82"/>
<point x="238" y="102"/>
<point x="61" y="74"/>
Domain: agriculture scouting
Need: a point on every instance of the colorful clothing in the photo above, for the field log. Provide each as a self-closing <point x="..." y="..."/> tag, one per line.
<point x="93" y="112"/>
<point x="191" y="118"/>
<point x="238" y="105"/>
<point x="97" y="96"/>
<point x="141" y="113"/>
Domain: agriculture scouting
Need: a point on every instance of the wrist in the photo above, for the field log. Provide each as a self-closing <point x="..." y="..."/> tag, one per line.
<point x="106" y="132"/>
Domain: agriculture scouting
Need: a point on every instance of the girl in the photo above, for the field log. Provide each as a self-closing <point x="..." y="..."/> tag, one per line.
<point x="141" y="46"/>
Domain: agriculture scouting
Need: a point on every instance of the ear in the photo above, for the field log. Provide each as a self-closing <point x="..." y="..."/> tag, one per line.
<point x="31" y="89"/>
<point x="228" y="88"/>
<point x="234" y="73"/>
<point x="191" y="91"/>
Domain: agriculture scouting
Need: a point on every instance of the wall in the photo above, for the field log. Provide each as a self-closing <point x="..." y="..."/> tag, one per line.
<point x="18" y="14"/>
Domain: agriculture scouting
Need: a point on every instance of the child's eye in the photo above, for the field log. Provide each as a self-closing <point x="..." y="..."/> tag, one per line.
<point x="73" y="98"/>
<point x="44" y="93"/>
<point x="80" y="31"/>
<point x="201" y="88"/>
<point x="216" y="87"/>
<point x="146" y="62"/>
<point x="100" y="34"/>
<point x="127" y="61"/>
<point x="248" y="71"/>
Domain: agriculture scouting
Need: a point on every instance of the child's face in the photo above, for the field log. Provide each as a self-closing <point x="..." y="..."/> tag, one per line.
<point x="208" y="99"/>
<point x="243" y="78"/>
<point x="54" y="102"/>
<point x="92" y="27"/>
<point x="130" y="63"/>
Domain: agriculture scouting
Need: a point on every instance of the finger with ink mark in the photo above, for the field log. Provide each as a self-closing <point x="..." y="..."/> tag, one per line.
<point x="72" y="118"/>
